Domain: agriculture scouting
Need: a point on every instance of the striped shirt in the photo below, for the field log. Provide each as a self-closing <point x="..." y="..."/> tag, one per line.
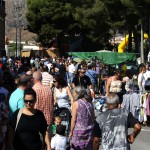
<point x="44" y="101"/>
<point x="47" y="78"/>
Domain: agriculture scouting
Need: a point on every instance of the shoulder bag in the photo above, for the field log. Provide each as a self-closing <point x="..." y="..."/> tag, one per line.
<point x="18" y="117"/>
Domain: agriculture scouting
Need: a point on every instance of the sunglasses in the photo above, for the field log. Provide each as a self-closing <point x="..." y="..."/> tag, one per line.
<point x="29" y="101"/>
<point x="55" y="81"/>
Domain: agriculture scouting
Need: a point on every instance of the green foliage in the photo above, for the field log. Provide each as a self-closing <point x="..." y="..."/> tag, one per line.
<point x="95" y="20"/>
<point x="12" y="47"/>
<point x="48" y="18"/>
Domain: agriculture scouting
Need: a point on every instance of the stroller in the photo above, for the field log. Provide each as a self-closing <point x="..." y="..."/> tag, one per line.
<point x="65" y="115"/>
<point x="100" y="106"/>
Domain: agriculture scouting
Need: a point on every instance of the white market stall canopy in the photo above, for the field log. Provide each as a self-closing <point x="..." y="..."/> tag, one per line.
<point x="29" y="47"/>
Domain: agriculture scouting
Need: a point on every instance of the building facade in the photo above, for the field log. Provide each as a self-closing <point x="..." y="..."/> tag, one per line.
<point x="2" y="25"/>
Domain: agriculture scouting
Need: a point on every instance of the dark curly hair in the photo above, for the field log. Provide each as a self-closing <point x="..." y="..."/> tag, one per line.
<point x="30" y="91"/>
<point x="60" y="79"/>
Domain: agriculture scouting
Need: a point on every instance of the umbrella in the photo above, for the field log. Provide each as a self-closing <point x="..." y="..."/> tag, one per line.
<point x="103" y="51"/>
<point x="77" y="59"/>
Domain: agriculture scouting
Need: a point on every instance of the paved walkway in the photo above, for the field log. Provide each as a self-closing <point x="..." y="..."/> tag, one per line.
<point x="142" y="142"/>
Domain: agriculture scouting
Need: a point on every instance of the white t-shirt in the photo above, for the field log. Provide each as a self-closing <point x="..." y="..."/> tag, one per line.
<point x="49" y="66"/>
<point x="59" y="142"/>
<point x="46" y="78"/>
<point x="142" y="77"/>
<point x="32" y="61"/>
<point x="10" y="61"/>
<point x="71" y="68"/>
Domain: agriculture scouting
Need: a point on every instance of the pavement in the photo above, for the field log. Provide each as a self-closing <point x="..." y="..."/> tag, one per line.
<point x="142" y="141"/>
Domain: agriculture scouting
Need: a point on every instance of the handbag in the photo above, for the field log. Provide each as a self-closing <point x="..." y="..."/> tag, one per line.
<point x="18" y="117"/>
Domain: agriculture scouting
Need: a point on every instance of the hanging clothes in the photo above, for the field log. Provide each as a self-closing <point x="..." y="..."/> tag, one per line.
<point x="143" y="116"/>
<point x="131" y="102"/>
<point x="148" y="105"/>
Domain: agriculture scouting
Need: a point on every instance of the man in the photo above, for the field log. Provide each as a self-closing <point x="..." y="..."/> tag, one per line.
<point x="71" y="71"/>
<point x="123" y="69"/>
<point x="57" y="65"/>
<point x="81" y="79"/>
<point x="44" y="97"/>
<point x="92" y="74"/>
<point x="147" y="77"/>
<point x="112" y="127"/>
<point x="46" y="61"/>
<point x="103" y="78"/>
<point x="4" y="115"/>
<point x="62" y="69"/>
<point x="147" y="71"/>
<point x="36" y="63"/>
<point x="16" y="100"/>
<point x="49" y="65"/>
<point x="4" y="93"/>
<point x="47" y="79"/>
<point x="142" y="77"/>
<point x="32" y="62"/>
<point x="10" y="62"/>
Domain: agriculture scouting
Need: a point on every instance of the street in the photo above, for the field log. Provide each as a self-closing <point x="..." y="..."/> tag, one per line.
<point x="142" y="142"/>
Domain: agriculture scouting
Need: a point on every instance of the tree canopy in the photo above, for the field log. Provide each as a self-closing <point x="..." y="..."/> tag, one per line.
<point x="95" y="20"/>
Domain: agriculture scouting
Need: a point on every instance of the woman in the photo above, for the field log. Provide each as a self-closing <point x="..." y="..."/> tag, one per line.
<point x="82" y="121"/>
<point x="7" y="81"/>
<point x="114" y="85"/>
<point x="31" y="123"/>
<point x="62" y="93"/>
<point x="142" y="77"/>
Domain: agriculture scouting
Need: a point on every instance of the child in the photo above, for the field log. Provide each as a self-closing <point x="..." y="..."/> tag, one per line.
<point x="59" y="141"/>
<point x="57" y="122"/>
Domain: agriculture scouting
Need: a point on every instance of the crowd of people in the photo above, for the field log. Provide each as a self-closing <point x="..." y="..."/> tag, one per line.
<point x="31" y="89"/>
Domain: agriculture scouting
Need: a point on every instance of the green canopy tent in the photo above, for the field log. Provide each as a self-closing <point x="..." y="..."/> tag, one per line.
<point x="109" y="58"/>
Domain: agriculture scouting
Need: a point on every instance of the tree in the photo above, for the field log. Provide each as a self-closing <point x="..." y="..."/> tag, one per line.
<point x="125" y="15"/>
<point x="48" y="18"/>
<point x="91" y="17"/>
<point x="94" y="20"/>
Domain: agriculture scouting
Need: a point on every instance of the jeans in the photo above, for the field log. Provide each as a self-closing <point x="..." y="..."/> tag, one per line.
<point x="70" y="77"/>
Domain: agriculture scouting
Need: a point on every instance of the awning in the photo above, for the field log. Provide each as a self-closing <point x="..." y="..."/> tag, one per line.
<point x="106" y="57"/>
<point x="52" y="52"/>
<point x="25" y="53"/>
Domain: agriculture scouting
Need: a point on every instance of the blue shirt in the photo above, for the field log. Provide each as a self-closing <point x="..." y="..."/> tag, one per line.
<point x="46" y="62"/>
<point x="92" y="75"/>
<point x="16" y="100"/>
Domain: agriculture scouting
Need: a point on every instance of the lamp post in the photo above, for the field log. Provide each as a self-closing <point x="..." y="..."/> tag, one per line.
<point x="18" y="7"/>
<point x="16" y="36"/>
<point x="142" y="39"/>
<point x="142" y="36"/>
